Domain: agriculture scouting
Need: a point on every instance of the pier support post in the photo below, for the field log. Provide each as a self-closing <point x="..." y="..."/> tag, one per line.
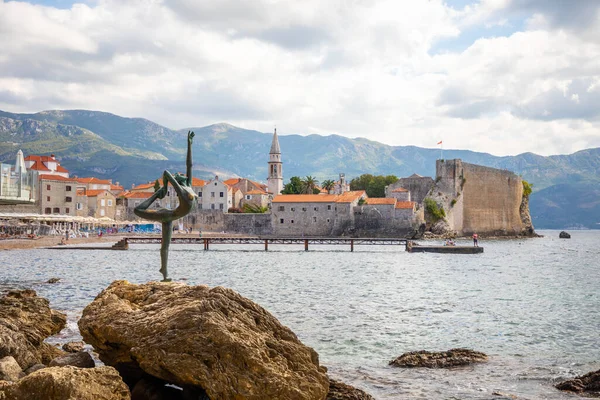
<point x="266" y="245"/>
<point x="305" y="244"/>
<point x="351" y="245"/>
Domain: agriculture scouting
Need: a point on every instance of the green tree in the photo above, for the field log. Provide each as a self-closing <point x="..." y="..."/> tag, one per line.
<point x="309" y="185"/>
<point x="374" y="185"/>
<point x="294" y="187"/>
<point x="254" y="209"/>
<point x="328" y="184"/>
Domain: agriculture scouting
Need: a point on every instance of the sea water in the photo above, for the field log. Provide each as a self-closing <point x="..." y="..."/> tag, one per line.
<point x="532" y="305"/>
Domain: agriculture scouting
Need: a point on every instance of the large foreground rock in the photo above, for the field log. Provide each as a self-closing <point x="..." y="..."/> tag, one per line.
<point x="341" y="391"/>
<point x="68" y="383"/>
<point x="588" y="384"/>
<point x="25" y="321"/>
<point x="443" y="359"/>
<point x="197" y="336"/>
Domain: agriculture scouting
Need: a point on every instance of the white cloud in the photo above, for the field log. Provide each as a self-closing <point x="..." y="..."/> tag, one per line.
<point x="354" y="68"/>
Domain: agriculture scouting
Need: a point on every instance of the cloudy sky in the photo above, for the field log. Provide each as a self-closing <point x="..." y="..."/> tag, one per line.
<point x="500" y="76"/>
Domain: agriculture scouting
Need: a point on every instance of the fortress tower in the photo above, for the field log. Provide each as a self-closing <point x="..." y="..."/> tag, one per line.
<point x="275" y="179"/>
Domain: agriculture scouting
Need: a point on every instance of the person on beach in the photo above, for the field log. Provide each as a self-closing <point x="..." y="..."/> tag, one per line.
<point x="475" y="240"/>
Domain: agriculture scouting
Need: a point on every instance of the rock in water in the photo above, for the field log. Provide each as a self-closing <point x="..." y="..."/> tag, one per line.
<point x="214" y="339"/>
<point x="564" y="235"/>
<point x="25" y="321"/>
<point x="443" y="359"/>
<point x="341" y="391"/>
<point x="10" y="369"/>
<point x="59" y="383"/>
<point x="80" y="359"/>
<point x="588" y="384"/>
<point x="73" y="347"/>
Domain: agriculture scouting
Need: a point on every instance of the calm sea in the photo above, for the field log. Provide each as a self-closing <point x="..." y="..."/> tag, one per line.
<point x="532" y="305"/>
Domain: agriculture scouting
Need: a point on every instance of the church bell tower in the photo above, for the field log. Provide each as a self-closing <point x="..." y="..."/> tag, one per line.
<point x="275" y="179"/>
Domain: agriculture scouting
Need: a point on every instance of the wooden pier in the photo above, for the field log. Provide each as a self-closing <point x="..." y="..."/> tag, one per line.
<point x="266" y="241"/>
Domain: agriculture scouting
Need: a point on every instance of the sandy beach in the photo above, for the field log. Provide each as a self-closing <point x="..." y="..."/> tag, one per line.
<point x="47" y="241"/>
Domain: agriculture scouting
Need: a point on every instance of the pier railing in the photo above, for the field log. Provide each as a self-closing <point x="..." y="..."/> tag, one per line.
<point x="266" y="241"/>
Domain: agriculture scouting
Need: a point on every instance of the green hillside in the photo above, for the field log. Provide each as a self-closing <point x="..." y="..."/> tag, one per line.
<point x="135" y="150"/>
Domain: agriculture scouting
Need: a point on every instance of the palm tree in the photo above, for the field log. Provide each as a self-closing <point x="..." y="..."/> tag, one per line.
<point x="309" y="184"/>
<point x="328" y="185"/>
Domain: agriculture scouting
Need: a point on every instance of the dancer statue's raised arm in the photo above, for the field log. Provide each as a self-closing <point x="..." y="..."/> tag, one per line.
<point x="187" y="202"/>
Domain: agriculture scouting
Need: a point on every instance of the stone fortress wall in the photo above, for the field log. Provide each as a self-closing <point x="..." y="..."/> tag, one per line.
<point x="418" y="186"/>
<point x="480" y="199"/>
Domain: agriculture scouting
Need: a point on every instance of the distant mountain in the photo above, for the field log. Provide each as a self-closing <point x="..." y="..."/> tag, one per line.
<point x="135" y="150"/>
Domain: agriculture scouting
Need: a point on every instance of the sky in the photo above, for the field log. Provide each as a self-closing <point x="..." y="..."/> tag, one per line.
<point x="497" y="76"/>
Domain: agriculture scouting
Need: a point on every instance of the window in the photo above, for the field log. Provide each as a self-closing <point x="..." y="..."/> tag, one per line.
<point x="199" y="206"/>
<point x="293" y="208"/>
<point x="314" y="219"/>
<point x="68" y="200"/>
<point x="220" y="194"/>
<point x="67" y="210"/>
<point x="48" y="187"/>
<point x="56" y="210"/>
<point x="79" y="206"/>
<point x="281" y="221"/>
<point x="199" y="194"/>
<point x="102" y="202"/>
<point x="291" y="221"/>
<point x="102" y="212"/>
<point x="47" y="210"/>
<point x="316" y="208"/>
<point x="248" y="197"/>
<point x="281" y="208"/>
<point x="68" y="188"/>
<point x="303" y="208"/>
<point x="220" y="206"/>
<point x="47" y="198"/>
<point x="212" y="206"/>
<point x="212" y="194"/>
<point x="329" y="207"/>
<point x="328" y="220"/>
<point x="109" y="203"/>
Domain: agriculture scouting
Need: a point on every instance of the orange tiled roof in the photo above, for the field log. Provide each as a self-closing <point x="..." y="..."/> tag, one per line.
<point x="49" y="177"/>
<point x="349" y="197"/>
<point x="405" y="204"/>
<point x="136" y="195"/>
<point x="94" y="193"/>
<point x="232" y="181"/>
<point x="39" y="158"/>
<point x="198" y="182"/>
<point x="305" y="198"/>
<point x="380" y="200"/>
<point x="116" y="188"/>
<point x="60" y="168"/>
<point x="143" y="186"/>
<point x="256" y="192"/>
<point x="39" y="166"/>
<point x="399" y="190"/>
<point x="93" y="180"/>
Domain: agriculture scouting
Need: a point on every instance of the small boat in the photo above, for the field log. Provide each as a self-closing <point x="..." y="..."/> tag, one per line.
<point x="415" y="248"/>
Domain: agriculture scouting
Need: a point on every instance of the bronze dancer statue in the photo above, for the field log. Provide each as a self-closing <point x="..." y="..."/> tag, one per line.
<point x="182" y="185"/>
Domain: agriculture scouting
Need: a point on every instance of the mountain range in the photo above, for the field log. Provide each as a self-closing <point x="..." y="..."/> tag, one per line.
<point x="136" y="150"/>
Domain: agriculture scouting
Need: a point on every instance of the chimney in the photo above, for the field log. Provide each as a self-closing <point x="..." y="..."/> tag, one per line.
<point x="52" y="156"/>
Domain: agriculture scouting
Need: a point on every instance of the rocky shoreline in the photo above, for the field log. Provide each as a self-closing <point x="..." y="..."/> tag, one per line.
<point x="175" y="341"/>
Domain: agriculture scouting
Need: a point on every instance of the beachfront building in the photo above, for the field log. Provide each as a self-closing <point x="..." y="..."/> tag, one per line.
<point x="96" y="203"/>
<point x="215" y="195"/>
<point x="57" y="194"/>
<point x="314" y="214"/>
<point x="246" y="191"/>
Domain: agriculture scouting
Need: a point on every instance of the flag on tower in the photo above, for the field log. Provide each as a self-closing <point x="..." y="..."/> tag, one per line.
<point x="440" y="142"/>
